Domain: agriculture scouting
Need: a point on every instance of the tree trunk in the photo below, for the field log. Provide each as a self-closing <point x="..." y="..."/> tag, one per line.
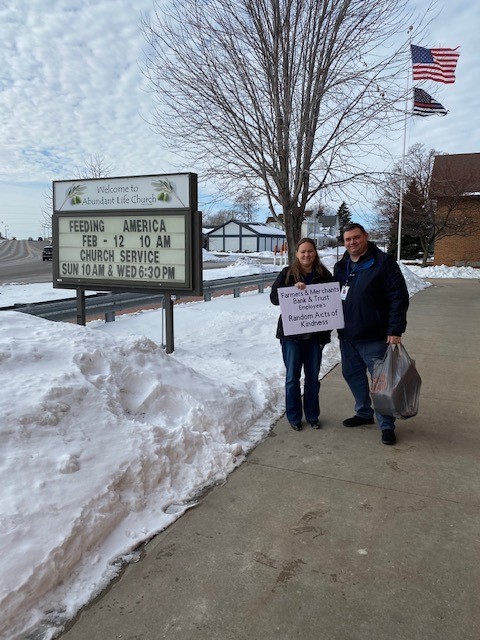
<point x="293" y="230"/>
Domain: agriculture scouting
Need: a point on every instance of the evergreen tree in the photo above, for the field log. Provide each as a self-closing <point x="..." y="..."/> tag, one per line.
<point x="417" y="227"/>
<point x="344" y="218"/>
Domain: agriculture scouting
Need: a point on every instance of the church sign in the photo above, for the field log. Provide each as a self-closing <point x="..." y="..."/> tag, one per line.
<point x="128" y="234"/>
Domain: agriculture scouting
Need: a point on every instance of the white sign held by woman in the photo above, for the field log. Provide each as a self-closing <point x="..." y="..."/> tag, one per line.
<point x="317" y="308"/>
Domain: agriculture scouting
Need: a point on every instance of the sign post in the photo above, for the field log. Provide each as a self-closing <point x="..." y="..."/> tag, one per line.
<point x="81" y="313"/>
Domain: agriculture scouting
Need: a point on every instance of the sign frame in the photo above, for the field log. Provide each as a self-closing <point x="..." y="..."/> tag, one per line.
<point x="140" y="193"/>
<point x="151" y="208"/>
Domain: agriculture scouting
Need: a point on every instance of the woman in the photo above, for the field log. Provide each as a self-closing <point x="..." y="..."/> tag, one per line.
<point x="303" y="350"/>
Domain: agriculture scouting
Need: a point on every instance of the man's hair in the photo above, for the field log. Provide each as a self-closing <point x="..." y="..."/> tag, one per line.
<point x="354" y="225"/>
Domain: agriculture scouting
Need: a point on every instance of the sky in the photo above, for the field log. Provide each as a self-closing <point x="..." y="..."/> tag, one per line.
<point x="71" y="86"/>
<point x="115" y="439"/>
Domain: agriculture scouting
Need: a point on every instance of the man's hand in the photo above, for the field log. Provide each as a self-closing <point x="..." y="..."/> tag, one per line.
<point x="394" y="339"/>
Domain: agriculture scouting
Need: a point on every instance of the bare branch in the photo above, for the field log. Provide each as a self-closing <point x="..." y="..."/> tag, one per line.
<point x="287" y="96"/>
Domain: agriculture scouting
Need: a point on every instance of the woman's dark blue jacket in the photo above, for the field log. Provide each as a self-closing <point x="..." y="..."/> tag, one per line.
<point x="281" y="281"/>
<point x="377" y="300"/>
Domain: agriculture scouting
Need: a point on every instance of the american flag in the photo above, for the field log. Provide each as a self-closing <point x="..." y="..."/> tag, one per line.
<point x="434" y="64"/>
<point x="425" y="105"/>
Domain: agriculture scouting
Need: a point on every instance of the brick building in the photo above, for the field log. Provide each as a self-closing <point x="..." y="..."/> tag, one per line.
<point x="455" y="185"/>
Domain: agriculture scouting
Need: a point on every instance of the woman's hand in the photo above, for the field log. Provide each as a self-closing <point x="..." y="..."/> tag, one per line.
<point x="300" y="285"/>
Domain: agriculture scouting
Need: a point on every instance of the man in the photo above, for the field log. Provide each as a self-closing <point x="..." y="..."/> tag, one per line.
<point x="375" y="302"/>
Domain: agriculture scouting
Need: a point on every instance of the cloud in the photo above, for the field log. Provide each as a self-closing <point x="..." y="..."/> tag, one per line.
<point x="71" y="85"/>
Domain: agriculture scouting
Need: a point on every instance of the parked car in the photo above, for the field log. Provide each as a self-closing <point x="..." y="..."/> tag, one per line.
<point x="47" y="253"/>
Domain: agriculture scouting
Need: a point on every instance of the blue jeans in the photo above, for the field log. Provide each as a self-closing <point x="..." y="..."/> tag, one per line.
<point x="357" y="357"/>
<point x="298" y="354"/>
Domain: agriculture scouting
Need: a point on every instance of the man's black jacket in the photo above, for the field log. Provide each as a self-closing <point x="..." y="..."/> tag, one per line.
<point x="377" y="299"/>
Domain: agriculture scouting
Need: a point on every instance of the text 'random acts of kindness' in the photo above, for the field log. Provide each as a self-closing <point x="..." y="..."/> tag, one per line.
<point x="317" y="308"/>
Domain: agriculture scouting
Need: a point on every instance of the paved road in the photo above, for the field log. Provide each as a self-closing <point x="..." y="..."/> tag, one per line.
<point x="21" y="262"/>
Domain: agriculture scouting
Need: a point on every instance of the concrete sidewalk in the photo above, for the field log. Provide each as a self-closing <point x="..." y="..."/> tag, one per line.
<point x="330" y="535"/>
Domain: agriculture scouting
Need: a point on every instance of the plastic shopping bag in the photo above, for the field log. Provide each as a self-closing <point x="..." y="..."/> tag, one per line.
<point x="395" y="385"/>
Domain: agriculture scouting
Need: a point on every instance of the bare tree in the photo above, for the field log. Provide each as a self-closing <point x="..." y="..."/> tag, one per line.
<point x="422" y="220"/>
<point x="95" y="167"/>
<point x="418" y="212"/>
<point x="246" y="205"/>
<point x="218" y="218"/>
<point x="282" y="96"/>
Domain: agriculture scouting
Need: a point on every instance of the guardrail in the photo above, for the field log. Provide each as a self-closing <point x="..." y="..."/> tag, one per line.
<point x="110" y="303"/>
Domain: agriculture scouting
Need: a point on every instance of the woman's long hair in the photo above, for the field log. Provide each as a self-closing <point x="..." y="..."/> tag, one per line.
<point x="296" y="270"/>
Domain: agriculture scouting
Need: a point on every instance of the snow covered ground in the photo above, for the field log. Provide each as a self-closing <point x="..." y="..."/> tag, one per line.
<point x="106" y="440"/>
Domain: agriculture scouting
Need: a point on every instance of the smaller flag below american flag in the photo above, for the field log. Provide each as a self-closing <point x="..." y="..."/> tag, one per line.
<point x="425" y="105"/>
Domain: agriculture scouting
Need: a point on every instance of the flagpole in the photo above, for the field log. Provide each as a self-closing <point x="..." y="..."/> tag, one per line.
<point x="402" y="174"/>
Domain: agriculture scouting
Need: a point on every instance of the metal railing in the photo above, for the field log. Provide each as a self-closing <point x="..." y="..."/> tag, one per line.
<point x="109" y="303"/>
